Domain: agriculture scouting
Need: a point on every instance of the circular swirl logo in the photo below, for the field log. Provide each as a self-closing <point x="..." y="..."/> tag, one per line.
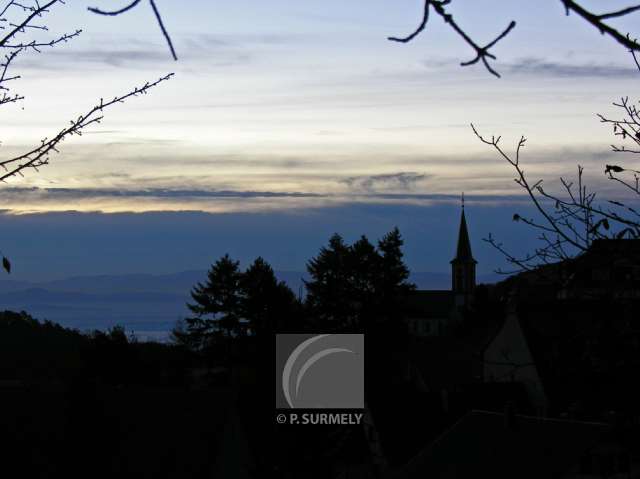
<point x="320" y="371"/>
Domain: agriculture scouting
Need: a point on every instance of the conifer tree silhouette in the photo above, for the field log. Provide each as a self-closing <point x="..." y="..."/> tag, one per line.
<point x="352" y="287"/>
<point x="267" y="304"/>
<point x="216" y="301"/>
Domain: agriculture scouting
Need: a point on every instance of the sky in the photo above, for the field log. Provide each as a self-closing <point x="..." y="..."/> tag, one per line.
<point x="287" y="121"/>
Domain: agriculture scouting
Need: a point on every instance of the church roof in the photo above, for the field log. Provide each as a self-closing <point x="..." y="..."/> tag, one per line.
<point x="561" y="334"/>
<point x="463" y="251"/>
<point x="430" y="304"/>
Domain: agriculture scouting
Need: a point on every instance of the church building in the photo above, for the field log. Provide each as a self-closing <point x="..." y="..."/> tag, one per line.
<point x="434" y="312"/>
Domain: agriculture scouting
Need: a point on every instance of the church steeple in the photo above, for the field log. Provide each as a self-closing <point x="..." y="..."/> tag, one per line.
<point x="463" y="266"/>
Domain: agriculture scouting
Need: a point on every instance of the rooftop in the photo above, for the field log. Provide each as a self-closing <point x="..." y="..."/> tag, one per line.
<point x="486" y="444"/>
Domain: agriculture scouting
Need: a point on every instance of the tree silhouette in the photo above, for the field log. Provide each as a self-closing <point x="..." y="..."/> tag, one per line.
<point x="328" y="291"/>
<point x="257" y="285"/>
<point x="364" y="268"/>
<point x="268" y="305"/>
<point x="216" y="301"/>
<point x="352" y="287"/>
<point x="233" y="303"/>
<point x="394" y="273"/>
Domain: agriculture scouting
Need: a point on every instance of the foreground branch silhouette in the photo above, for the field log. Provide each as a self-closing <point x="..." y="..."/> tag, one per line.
<point x="39" y="156"/>
<point x="17" y="20"/>
<point x="156" y="12"/>
<point x="19" y="24"/>
<point x="483" y="54"/>
<point x="627" y="128"/>
<point x="569" y="221"/>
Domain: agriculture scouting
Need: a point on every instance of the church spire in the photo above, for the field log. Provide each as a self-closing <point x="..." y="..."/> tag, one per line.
<point x="463" y="251"/>
<point x="463" y="266"/>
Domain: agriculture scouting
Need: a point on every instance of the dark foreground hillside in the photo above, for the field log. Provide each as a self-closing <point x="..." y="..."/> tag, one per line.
<point x="104" y="405"/>
<point x="101" y="405"/>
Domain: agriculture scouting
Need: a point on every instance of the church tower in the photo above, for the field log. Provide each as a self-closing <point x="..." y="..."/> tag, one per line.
<point x="463" y="266"/>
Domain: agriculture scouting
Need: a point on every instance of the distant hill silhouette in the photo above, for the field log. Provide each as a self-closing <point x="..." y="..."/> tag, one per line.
<point x="147" y="304"/>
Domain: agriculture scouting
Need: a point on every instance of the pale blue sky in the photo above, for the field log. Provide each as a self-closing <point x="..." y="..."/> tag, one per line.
<point x="310" y="105"/>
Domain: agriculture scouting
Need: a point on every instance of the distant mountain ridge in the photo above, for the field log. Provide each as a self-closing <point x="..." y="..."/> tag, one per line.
<point x="147" y="304"/>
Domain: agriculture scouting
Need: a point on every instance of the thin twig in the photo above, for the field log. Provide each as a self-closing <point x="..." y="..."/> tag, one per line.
<point x="156" y="13"/>
<point x="483" y="53"/>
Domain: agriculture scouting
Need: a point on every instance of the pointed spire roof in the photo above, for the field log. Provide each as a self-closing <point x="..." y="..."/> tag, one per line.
<point x="463" y="251"/>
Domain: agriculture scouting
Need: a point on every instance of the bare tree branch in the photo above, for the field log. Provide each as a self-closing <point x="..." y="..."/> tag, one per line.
<point x="17" y="21"/>
<point x="35" y="12"/>
<point x="156" y="13"/>
<point x="162" y="27"/>
<point x="40" y="155"/>
<point x="626" y="127"/>
<point x="482" y="52"/>
<point x="11" y="41"/>
<point x="114" y="12"/>
<point x="597" y="21"/>
<point x="570" y="222"/>
<point x="416" y="32"/>
<point x="619" y="13"/>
